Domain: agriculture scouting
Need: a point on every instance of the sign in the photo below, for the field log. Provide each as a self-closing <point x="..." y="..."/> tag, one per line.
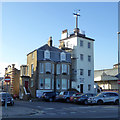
<point x="118" y="81"/>
<point x="7" y="79"/>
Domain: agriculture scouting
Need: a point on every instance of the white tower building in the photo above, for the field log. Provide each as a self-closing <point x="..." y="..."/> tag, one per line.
<point x="82" y="53"/>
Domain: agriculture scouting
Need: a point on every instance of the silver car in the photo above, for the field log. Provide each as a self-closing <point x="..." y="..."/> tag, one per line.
<point x="104" y="97"/>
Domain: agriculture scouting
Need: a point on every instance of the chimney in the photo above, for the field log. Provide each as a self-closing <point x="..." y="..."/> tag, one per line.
<point x="13" y="65"/>
<point x="50" y="41"/>
<point x="64" y="34"/>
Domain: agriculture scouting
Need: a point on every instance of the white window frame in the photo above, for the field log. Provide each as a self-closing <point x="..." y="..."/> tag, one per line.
<point x="89" y="58"/>
<point x="89" y="72"/>
<point x="58" y="83"/>
<point x="27" y="70"/>
<point x="89" y="45"/>
<point x="63" y="56"/>
<point x="68" y="69"/>
<point x="81" y="57"/>
<point x="48" y="67"/>
<point x="47" y="54"/>
<point x="41" y="81"/>
<point x="58" y="68"/>
<point x="64" y="68"/>
<point x="81" y="71"/>
<point x="64" y="84"/>
<point x="52" y="68"/>
<point x="53" y="84"/>
<point x="41" y="68"/>
<point x="47" y="84"/>
<point x="31" y="82"/>
<point x="81" y="43"/>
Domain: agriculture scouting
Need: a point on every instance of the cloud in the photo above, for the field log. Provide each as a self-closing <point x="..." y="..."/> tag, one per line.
<point x="3" y="65"/>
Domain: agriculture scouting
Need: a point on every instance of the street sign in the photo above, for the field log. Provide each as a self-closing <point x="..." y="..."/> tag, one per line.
<point x="7" y="79"/>
<point x="118" y="81"/>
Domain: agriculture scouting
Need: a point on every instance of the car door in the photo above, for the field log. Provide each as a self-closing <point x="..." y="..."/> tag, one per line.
<point x="108" y="97"/>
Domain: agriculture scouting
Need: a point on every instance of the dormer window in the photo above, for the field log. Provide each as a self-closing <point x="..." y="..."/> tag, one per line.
<point x="47" y="54"/>
<point x="63" y="56"/>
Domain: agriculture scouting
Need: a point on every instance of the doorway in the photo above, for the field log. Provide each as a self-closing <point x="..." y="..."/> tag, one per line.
<point x="81" y="88"/>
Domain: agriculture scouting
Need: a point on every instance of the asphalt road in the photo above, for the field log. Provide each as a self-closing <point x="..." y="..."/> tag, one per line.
<point x="61" y="110"/>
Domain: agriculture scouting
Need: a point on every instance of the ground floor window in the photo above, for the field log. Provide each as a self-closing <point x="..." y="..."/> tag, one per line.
<point x="58" y="84"/>
<point x="89" y="87"/>
<point x="64" y="83"/>
<point x="47" y="83"/>
<point x="41" y="84"/>
<point x="52" y="83"/>
<point x="31" y="82"/>
<point x="68" y="84"/>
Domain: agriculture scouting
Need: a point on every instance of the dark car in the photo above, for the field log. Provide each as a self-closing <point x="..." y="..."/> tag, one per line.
<point x="49" y="96"/>
<point x="83" y="99"/>
<point x="73" y="96"/>
<point x="3" y="97"/>
<point x="65" y="96"/>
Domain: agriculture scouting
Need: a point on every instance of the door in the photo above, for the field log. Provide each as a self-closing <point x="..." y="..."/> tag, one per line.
<point x="26" y="85"/>
<point x="81" y="88"/>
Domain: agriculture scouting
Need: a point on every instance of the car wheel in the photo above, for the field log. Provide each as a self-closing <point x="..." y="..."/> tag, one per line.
<point x="67" y="100"/>
<point x="50" y="99"/>
<point x="85" y="102"/>
<point x="99" y="102"/>
<point x="117" y="102"/>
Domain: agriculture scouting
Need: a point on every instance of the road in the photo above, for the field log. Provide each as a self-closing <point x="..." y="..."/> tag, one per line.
<point x="26" y="109"/>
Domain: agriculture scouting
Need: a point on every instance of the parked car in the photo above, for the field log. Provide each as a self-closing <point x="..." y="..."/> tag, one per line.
<point x="65" y="96"/>
<point x="49" y="96"/>
<point x="104" y="97"/>
<point x="73" y="96"/>
<point x="83" y="98"/>
<point x="10" y="99"/>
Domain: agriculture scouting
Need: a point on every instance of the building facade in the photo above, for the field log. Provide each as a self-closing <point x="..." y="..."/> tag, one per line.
<point x="107" y="78"/>
<point x="82" y="57"/>
<point x="48" y="69"/>
<point x="13" y="85"/>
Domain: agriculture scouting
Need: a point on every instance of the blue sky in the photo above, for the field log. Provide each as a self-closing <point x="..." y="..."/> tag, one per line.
<point x="28" y="25"/>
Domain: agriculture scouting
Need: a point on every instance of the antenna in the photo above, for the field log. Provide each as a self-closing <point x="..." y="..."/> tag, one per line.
<point x="76" y="13"/>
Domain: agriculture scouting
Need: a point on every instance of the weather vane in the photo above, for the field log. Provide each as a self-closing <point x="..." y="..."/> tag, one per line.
<point x="76" y="13"/>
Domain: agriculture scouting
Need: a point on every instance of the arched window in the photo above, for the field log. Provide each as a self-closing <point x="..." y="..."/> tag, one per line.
<point x="63" y="56"/>
<point x="47" y="54"/>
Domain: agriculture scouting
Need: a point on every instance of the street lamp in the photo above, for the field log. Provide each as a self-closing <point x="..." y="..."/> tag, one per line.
<point x="118" y="75"/>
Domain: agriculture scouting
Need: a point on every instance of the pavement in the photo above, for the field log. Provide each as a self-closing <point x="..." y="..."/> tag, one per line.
<point x="16" y="111"/>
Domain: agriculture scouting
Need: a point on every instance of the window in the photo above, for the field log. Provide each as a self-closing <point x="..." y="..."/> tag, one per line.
<point x="24" y="71"/>
<point x="52" y="68"/>
<point x="32" y="55"/>
<point x="58" y="68"/>
<point x="64" y="83"/>
<point x="68" y="69"/>
<point x="31" y="82"/>
<point x="63" y="56"/>
<point x="52" y="83"/>
<point x="41" y="67"/>
<point x="89" y="58"/>
<point x="41" y="83"/>
<point x="89" y="45"/>
<point x="64" y="68"/>
<point x="32" y="68"/>
<point x="68" y="84"/>
<point x="47" y="54"/>
<point x="28" y="70"/>
<point x="89" y="72"/>
<point x="81" y="43"/>
<point x="81" y="71"/>
<point x="58" y="84"/>
<point x="89" y="87"/>
<point x="47" y="83"/>
<point x="48" y="67"/>
<point x="81" y="57"/>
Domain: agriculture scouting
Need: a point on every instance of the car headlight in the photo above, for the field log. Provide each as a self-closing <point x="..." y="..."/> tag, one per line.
<point x="12" y="99"/>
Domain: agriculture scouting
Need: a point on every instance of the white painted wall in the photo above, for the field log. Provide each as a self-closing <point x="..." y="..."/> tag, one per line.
<point x="77" y="64"/>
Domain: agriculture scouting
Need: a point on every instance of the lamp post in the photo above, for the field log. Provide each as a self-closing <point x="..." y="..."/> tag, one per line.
<point x="118" y="75"/>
